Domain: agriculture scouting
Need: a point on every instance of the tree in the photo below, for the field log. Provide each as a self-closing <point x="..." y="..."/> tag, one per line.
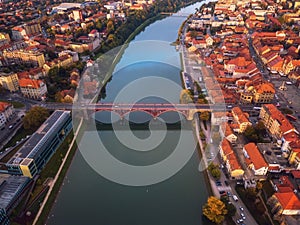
<point x="251" y="134"/>
<point x="35" y="117"/>
<point x="204" y="116"/>
<point x="229" y="206"/>
<point x="185" y="97"/>
<point x="214" y="170"/>
<point x="216" y="173"/>
<point x="215" y="210"/>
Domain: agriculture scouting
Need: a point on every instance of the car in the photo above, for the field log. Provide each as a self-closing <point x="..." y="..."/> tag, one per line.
<point x="241" y="208"/>
<point x="11" y="126"/>
<point x="218" y="183"/>
<point x="226" y="182"/>
<point x="235" y="198"/>
<point x="229" y="194"/>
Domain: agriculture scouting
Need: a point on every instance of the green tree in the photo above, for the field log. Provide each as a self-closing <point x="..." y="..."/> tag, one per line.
<point x="214" y="170"/>
<point x="216" y="173"/>
<point x="35" y="117"/>
<point x="251" y="134"/>
<point x="215" y="210"/>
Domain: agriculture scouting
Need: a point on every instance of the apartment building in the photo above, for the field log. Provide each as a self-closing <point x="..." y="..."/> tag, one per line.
<point x="33" y="58"/>
<point x="9" y="81"/>
<point x="35" y="89"/>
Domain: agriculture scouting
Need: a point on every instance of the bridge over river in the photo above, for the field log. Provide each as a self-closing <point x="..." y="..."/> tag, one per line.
<point x="154" y="109"/>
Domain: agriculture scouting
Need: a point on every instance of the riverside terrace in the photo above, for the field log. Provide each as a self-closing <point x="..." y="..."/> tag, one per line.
<point x="39" y="148"/>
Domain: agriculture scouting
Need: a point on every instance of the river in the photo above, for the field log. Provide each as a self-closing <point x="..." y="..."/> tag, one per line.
<point x="88" y="198"/>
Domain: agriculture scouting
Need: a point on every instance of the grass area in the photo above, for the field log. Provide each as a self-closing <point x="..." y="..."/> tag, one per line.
<point x="260" y="218"/>
<point x="22" y="133"/>
<point x="43" y="217"/>
<point x="16" y="105"/>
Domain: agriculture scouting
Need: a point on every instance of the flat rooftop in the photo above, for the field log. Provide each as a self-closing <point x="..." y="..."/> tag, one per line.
<point x="32" y="146"/>
<point x="9" y="187"/>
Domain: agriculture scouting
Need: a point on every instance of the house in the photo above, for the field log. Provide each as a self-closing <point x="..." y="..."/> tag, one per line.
<point x="286" y="203"/>
<point x="35" y="89"/>
<point x="275" y="122"/>
<point x="254" y="159"/>
<point x="6" y="113"/>
<point x="209" y="40"/>
<point x="241" y="119"/>
<point x="227" y="133"/>
<point x="9" y="81"/>
<point x="229" y="158"/>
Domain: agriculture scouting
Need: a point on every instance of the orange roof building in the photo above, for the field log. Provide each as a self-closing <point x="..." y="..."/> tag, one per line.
<point x="35" y="89"/>
<point x="275" y="122"/>
<point x="241" y="119"/>
<point x="255" y="160"/>
<point x="288" y="202"/>
<point x="232" y="164"/>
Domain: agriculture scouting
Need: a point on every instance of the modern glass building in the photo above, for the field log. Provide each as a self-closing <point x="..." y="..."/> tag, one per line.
<point x="12" y="189"/>
<point x="39" y="148"/>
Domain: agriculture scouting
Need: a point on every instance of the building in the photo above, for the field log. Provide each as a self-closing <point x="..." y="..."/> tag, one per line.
<point x="255" y="160"/>
<point x="35" y="89"/>
<point x="286" y="203"/>
<point x="12" y="190"/>
<point x="241" y="119"/>
<point x="262" y="93"/>
<point x="4" y="39"/>
<point x="30" y="159"/>
<point x="32" y="58"/>
<point x="18" y="33"/>
<point x="9" y="81"/>
<point x="6" y="113"/>
<point x="229" y="158"/>
<point x="275" y="122"/>
<point x="32" y="28"/>
<point x="227" y="133"/>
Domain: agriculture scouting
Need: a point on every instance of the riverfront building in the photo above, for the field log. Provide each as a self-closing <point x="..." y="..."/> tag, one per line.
<point x="39" y="148"/>
<point x="12" y="189"/>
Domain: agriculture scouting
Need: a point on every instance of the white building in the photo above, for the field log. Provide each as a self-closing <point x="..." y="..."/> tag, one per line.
<point x="6" y="113"/>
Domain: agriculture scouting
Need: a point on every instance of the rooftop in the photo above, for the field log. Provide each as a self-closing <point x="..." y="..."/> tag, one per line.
<point x="9" y="187"/>
<point x="34" y="144"/>
<point x="288" y="200"/>
<point x="255" y="157"/>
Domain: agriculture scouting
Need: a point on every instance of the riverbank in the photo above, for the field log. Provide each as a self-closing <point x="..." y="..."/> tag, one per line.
<point x="56" y="183"/>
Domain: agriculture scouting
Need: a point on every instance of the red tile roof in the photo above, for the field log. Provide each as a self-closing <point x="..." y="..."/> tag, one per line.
<point x="3" y="106"/>
<point x="288" y="201"/>
<point x="255" y="156"/>
<point x="30" y="83"/>
<point x="285" y="125"/>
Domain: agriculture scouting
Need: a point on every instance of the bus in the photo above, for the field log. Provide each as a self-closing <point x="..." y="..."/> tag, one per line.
<point x="290" y="117"/>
